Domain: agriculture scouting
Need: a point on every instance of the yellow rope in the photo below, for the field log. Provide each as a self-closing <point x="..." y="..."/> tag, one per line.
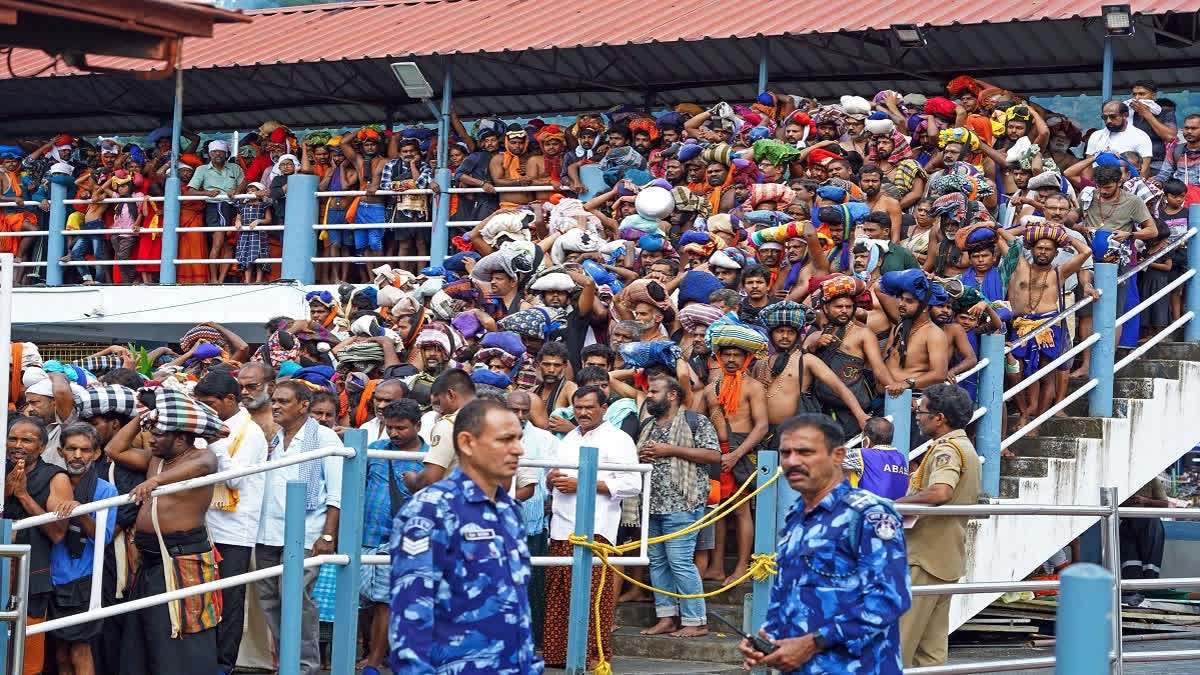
<point x="762" y="565"/>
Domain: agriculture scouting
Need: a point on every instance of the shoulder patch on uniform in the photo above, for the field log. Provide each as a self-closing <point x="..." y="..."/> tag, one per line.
<point x="429" y="496"/>
<point x="884" y="524"/>
<point x="941" y="460"/>
<point x="415" y="546"/>
<point x="418" y="524"/>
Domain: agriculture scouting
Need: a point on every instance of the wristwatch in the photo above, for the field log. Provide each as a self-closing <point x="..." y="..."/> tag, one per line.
<point x="911" y="382"/>
<point x="327" y="537"/>
<point x="819" y="642"/>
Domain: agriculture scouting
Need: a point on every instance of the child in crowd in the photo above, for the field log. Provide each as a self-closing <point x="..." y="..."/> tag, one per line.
<point x="253" y="244"/>
<point x="1173" y="214"/>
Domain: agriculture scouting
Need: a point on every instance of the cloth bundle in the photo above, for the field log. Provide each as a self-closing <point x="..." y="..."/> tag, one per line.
<point x="728" y="332"/>
<point x="783" y="313"/>
<point x="507" y="341"/>
<point x="575" y="241"/>
<point x="696" y="315"/>
<point x="565" y="216"/>
<point x="104" y="399"/>
<point x="511" y="224"/>
<point x="645" y="354"/>
<point x="916" y="283"/>
<point x="176" y="411"/>
<point x="1043" y="230"/>
<point x="778" y="234"/>
<point x="696" y="286"/>
<point x="535" y="323"/>
<point x="976" y="237"/>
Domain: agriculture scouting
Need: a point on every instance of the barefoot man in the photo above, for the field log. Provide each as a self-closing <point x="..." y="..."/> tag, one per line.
<point x="737" y="406"/>
<point x="172" y="539"/>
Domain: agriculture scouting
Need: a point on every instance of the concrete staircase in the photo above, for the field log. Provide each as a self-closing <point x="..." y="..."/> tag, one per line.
<point x="1156" y="410"/>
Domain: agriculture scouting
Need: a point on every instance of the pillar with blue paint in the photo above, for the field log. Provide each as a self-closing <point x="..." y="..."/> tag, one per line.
<point x="991" y="393"/>
<point x="765" y="528"/>
<point x="345" y="624"/>
<point x="899" y="408"/>
<point x="1083" y="624"/>
<point x="1191" y="330"/>
<point x="55" y="239"/>
<point x="292" y="585"/>
<point x="1104" y="319"/>
<point x="299" y="233"/>
<point x="581" y="566"/>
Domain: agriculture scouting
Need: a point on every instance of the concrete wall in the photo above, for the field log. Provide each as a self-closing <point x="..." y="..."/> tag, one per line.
<point x="1134" y="449"/>
<point x="150" y="313"/>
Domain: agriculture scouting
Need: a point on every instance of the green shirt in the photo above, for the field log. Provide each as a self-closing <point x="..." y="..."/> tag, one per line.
<point x="227" y="180"/>
<point x="898" y="258"/>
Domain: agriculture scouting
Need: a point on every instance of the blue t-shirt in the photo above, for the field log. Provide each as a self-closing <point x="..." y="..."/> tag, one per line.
<point x="64" y="568"/>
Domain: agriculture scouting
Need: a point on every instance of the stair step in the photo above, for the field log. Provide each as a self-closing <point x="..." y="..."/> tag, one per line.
<point x="1073" y="427"/>
<point x="1170" y="351"/>
<point x="1079" y="407"/>
<point x="1024" y="467"/>
<point x="1036" y="446"/>
<point x="1145" y="367"/>
<point x="733" y="596"/>
<point x="626" y="641"/>
<point x="641" y="614"/>
<point x="1010" y="487"/>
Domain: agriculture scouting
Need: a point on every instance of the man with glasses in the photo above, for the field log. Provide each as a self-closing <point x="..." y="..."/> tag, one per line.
<point x="949" y="473"/>
<point x="1119" y="136"/>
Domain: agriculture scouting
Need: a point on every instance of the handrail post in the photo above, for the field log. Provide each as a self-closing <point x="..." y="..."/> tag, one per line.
<point x="766" y="505"/>
<point x="1083" y="622"/>
<point x="170" y="230"/>
<point x="1104" y="319"/>
<point x="350" y="527"/>
<point x="991" y="396"/>
<point x="440" y="237"/>
<point x="1110" y="549"/>
<point x="581" y="567"/>
<point x="299" y="236"/>
<point x="292" y="587"/>
<point x="55" y="241"/>
<point x="900" y="409"/>
<point x="5" y="565"/>
<point x="1191" y="330"/>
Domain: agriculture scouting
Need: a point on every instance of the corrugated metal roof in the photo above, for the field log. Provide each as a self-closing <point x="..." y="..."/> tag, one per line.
<point x="225" y="90"/>
<point x="406" y="28"/>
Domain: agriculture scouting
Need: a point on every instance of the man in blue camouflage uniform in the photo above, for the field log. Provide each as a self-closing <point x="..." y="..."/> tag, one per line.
<point x="459" y="560"/>
<point x="843" y="570"/>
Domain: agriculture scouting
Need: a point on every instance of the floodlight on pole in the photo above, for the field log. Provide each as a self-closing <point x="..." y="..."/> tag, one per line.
<point x="412" y="80"/>
<point x="909" y="35"/>
<point x="1118" y="20"/>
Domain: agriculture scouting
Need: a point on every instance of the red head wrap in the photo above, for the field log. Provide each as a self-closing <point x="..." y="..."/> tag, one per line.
<point x="940" y="106"/>
<point x="645" y="125"/>
<point x="963" y="83"/>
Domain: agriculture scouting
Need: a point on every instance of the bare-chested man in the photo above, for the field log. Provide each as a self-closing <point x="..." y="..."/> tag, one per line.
<point x="514" y="167"/>
<point x="1035" y="291"/>
<point x="871" y="180"/>
<point x="849" y="350"/>
<point x="737" y="406"/>
<point x="918" y="353"/>
<point x="173" y="540"/>
<point x="367" y="161"/>
<point x="554" y="387"/>
<point x="791" y="376"/>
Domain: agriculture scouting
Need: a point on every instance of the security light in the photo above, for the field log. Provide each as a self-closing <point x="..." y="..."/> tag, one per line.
<point x="909" y="35"/>
<point x="1118" y="20"/>
<point x="414" y="83"/>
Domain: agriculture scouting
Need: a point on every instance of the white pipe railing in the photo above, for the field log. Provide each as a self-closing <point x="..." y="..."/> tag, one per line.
<point x="1157" y="338"/>
<point x="920" y="449"/>
<point x="201" y="481"/>
<point x="1050" y="322"/>
<point x="1143" y="264"/>
<point x="1161" y="293"/>
<point x="1050" y="412"/>
<point x="1027" y="382"/>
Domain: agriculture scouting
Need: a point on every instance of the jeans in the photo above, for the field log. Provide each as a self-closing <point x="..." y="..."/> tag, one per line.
<point x="96" y="244"/>
<point x="271" y="600"/>
<point x="673" y="568"/>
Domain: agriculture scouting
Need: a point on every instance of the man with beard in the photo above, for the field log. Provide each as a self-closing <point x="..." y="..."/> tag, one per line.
<point x="218" y="178"/>
<point x="727" y="270"/>
<point x="1156" y="120"/>
<point x="173" y="541"/>
<point x="387" y="391"/>
<point x="642" y="141"/>
<point x="553" y="387"/>
<point x="71" y="558"/>
<point x="257" y="382"/>
<point x="233" y="516"/>
<point x="790" y="375"/>
<point x="1035" y="291"/>
<point x="1119" y="136"/>
<point x="51" y="402"/>
<point x="681" y="445"/>
<point x="918" y="354"/>
<point x="849" y="350"/>
<point x="962" y="352"/>
<point x="437" y="342"/>
<point x="513" y="167"/>
<point x="585" y="316"/>
<point x="33" y="487"/>
<point x="695" y="320"/>
<point x="674" y="173"/>
<point x="553" y="141"/>
<point x="870" y="178"/>
<point x="770" y="254"/>
<point x="737" y="406"/>
<point x="474" y="172"/>
<point x="1183" y="162"/>
<point x="407" y="170"/>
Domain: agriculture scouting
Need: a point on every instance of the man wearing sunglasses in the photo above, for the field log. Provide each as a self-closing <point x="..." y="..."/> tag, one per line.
<point x="1119" y="136"/>
<point x="949" y="473"/>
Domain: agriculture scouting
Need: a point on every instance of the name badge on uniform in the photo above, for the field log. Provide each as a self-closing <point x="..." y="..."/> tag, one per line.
<point x="476" y="535"/>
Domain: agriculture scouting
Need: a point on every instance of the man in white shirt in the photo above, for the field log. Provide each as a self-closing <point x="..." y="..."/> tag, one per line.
<point x="1119" y="136"/>
<point x="532" y="493"/>
<point x="298" y="433"/>
<point x="236" y="505"/>
<point x="615" y="447"/>
<point x="385" y="392"/>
